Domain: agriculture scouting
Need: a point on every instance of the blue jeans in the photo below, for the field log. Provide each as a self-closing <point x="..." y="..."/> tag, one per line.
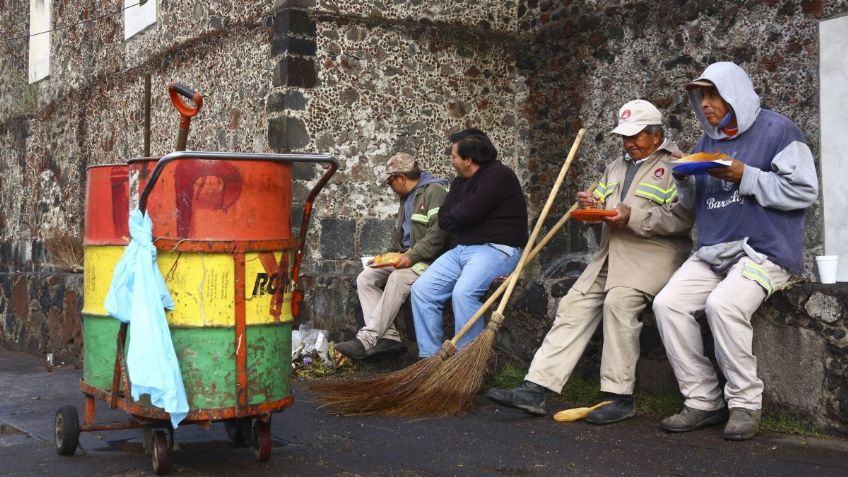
<point x="463" y="274"/>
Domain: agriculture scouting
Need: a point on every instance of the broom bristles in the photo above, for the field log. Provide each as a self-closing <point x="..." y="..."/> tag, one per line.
<point x="442" y="385"/>
<point x="452" y="388"/>
<point x="384" y="394"/>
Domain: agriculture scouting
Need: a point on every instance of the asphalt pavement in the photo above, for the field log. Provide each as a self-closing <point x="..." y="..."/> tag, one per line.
<point x="489" y="441"/>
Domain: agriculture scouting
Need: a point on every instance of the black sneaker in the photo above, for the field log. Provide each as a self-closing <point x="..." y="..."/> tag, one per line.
<point x="386" y="346"/>
<point x="528" y="396"/>
<point x="353" y="349"/>
<point x="622" y="407"/>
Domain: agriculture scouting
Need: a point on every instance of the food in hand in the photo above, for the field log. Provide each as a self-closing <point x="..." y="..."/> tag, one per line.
<point x="389" y="258"/>
<point x="703" y="157"/>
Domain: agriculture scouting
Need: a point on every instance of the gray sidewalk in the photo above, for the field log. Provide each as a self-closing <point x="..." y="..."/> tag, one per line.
<point x="490" y="441"/>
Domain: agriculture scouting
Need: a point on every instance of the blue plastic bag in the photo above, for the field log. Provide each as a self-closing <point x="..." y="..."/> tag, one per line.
<point x="138" y="296"/>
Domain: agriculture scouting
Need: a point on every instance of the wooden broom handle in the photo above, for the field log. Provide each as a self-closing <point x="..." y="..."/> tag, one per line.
<point x="499" y="291"/>
<point x="539" y="222"/>
<point x="536" y="251"/>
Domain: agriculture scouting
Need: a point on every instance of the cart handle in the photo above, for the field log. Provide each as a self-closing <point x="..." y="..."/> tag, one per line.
<point x="175" y="90"/>
<point x="297" y="292"/>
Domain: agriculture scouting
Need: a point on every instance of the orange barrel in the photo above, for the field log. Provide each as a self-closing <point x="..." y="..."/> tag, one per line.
<point x="217" y="200"/>
<point x="106" y="235"/>
<point x="107" y="207"/>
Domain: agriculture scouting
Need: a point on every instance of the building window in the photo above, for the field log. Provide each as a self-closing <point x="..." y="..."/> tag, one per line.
<point x="39" y="40"/>
<point x="138" y="15"/>
<point x="833" y="81"/>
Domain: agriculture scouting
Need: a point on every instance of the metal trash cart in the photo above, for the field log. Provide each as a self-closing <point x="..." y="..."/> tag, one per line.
<point x="222" y="230"/>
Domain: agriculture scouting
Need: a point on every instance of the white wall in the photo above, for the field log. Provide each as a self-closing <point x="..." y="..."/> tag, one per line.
<point x="833" y="71"/>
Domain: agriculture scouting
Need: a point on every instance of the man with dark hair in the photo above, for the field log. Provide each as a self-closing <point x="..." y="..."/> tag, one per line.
<point x="750" y="228"/>
<point x="486" y="212"/>
<point x="640" y="248"/>
<point x="418" y="236"/>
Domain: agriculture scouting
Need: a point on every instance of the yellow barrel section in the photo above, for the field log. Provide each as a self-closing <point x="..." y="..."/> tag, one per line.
<point x="202" y="286"/>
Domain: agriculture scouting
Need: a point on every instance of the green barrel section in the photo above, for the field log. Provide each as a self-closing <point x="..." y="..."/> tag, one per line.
<point x="207" y="361"/>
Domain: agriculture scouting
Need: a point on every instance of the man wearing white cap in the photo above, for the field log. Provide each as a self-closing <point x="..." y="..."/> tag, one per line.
<point x="640" y="248"/>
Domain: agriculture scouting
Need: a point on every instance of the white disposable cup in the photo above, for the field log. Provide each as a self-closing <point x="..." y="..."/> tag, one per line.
<point x="827" y="267"/>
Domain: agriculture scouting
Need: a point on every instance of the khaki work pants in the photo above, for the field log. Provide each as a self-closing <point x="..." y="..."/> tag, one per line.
<point x="578" y="315"/>
<point x="382" y="292"/>
<point x="728" y="302"/>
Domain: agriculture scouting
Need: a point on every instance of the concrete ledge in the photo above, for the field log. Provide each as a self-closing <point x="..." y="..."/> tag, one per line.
<point x="799" y="339"/>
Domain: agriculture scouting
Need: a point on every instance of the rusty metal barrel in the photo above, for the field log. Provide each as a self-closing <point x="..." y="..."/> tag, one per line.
<point x="106" y="235"/>
<point x="225" y="246"/>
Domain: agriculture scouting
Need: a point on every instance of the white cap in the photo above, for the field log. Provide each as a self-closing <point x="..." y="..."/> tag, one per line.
<point x="635" y="115"/>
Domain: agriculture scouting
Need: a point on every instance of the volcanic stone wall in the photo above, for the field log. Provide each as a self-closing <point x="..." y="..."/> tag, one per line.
<point x="89" y="111"/>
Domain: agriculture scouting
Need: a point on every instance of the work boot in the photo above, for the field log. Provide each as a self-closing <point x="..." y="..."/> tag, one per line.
<point x="386" y="346"/>
<point x="690" y="419"/>
<point x="528" y="396"/>
<point x="743" y="424"/>
<point x="353" y="349"/>
<point x="621" y="407"/>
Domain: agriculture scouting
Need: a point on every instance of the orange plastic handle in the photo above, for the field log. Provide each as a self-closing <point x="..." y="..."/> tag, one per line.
<point x="175" y="90"/>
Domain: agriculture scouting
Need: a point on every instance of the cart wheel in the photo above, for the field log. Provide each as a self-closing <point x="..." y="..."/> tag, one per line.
<point x="239" y="431"/>
<point x="160" y="452"/>
<point x="67" y="430"/>
<point x="262" y="441"/>
<point x="147" y="438"/>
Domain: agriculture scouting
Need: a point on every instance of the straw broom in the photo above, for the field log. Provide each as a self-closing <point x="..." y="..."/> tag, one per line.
<point x="399" y="392"/>
<point x="385" y="394"/>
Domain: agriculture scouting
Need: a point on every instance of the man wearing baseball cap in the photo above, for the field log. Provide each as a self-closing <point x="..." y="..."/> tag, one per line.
<point x="750" y="223"/>
<point x="418" y="236"/>
<point x="640" y="248"/>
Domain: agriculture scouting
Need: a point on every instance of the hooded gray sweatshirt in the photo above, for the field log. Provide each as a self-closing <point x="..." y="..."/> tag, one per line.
<point x="763" y="216"/>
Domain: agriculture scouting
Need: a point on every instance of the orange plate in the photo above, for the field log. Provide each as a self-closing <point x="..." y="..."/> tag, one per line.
<point x="592" y="215"/>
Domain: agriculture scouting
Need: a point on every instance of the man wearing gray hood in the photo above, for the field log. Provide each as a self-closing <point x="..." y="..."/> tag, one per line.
<point x="750" y="230"/>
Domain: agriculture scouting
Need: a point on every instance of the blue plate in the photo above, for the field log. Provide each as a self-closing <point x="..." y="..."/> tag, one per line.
<point x="695" y="168"/>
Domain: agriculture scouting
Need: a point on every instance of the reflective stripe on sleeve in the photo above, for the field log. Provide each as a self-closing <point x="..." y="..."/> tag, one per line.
<point x="425" y="218"/>
<point x="603" y="190"/>
<point x="656" y="193"/>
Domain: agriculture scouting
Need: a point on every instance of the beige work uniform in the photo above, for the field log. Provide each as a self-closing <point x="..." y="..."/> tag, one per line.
<point x="382" y="291"/>
<point x="728" y="300"/>
<point x="632" y="265"/>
